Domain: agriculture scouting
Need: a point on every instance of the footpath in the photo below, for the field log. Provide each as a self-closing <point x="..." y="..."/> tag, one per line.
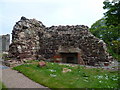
<point x="14" y="79"/>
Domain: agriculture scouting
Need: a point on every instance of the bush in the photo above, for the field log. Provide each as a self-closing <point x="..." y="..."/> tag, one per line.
<point x="116" y="46"/>
<point x="115" y="55"/>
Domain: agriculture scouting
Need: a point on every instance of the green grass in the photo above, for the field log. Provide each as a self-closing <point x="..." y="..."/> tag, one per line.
<point x="79" y="77"/>
<point x="2" y="86"/>
<point x="0" y="55"/>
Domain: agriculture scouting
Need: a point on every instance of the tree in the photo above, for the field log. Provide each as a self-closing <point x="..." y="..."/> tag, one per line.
<point x="102" y="31"/>
<point x="108" y="28"/>
<point x="112" y="15"/>
<point x="107" y="33"/>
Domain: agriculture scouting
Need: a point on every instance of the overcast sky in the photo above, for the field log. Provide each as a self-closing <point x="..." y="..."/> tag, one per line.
<point x="50" y="12"/>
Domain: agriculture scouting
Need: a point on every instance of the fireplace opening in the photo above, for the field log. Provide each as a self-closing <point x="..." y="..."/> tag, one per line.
<point x="69" y="57"/>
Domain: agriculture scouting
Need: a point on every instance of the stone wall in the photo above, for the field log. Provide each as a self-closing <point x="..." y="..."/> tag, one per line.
<point x="25" y="39"/>
<point x="4" y="42"/>
<point x="32" y="40"/>
<point x="93" y="49"/>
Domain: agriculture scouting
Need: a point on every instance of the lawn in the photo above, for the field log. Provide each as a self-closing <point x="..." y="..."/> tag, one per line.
<point x="53" y="76"/>
<point x="0" y="55"/>
<point x="2" y="86"/>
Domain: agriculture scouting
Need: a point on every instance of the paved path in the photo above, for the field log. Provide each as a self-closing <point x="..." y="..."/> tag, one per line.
<point x="14" y="79"/>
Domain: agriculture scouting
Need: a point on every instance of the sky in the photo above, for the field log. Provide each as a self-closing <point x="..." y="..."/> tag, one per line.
<point x="50" y="12"/>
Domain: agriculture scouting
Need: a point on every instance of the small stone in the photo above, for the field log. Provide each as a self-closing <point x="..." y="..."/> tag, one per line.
<point x="41" y="64"/>
<point x="66" y="70"/>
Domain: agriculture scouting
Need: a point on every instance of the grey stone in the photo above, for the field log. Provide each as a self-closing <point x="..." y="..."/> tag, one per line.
<point x="4" y="42"/>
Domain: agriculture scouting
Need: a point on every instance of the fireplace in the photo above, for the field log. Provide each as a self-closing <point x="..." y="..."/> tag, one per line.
<point x="69" y="57"/>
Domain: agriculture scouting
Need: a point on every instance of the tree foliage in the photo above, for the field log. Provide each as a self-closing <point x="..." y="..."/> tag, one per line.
<point x="113" y="12"/>
<point x="102" y="31"/>
<point x="108" y="28"/>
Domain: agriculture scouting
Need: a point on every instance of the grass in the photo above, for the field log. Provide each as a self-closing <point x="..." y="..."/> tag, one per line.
<point x="2" y="86"/>
<point x="0" y="55"/>
<point x="79" y="76"/>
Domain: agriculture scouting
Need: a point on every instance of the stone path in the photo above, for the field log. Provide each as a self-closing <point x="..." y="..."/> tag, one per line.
<point x="14" y="79"/>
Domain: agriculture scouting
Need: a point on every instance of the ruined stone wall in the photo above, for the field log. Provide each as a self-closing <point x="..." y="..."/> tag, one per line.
<point x="93" y="49"/>
<point x="31" y="39"/>
<point x="25" y="39"/>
